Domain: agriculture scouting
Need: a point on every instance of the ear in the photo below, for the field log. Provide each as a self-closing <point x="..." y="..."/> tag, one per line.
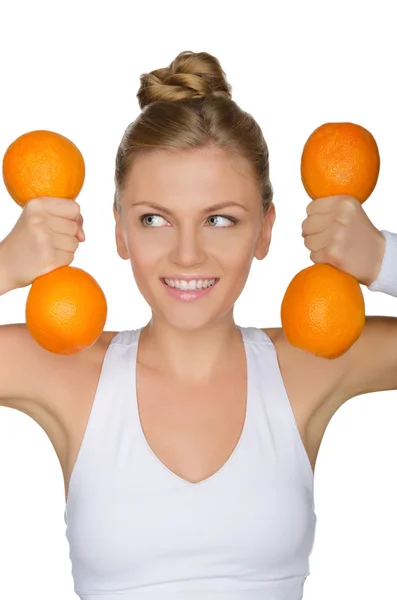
<point x="265" y="236"/>
<point x="122" y="249"/>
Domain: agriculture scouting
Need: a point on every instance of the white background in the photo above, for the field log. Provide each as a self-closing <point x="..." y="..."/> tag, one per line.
<point x="74" y="68"/>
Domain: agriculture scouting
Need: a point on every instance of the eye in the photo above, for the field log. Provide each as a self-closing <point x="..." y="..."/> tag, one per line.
<point x="152" y="216"/>
<point x="232" y="219"/>
<point x="143" y="217"/>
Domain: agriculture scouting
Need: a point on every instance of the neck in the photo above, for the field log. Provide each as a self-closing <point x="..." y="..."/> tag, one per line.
<point x="194" y="356"/>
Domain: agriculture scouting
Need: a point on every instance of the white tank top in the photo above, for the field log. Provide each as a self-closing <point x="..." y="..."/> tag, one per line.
<point x="137" y="531"/>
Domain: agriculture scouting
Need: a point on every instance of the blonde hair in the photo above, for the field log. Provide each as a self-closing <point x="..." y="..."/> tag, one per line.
<point x="188" y="105"/>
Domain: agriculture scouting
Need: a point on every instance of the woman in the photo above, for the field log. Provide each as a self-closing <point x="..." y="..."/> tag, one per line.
<point x="188" y="446"/>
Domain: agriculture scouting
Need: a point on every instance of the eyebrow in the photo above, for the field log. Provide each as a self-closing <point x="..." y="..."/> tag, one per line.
<point x="209" y="209"/>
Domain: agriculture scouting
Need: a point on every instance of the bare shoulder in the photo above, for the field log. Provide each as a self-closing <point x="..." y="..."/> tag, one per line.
<point x="33" y="379"/>
<point x="313" y="384"/>
<point x="56" y="391"/>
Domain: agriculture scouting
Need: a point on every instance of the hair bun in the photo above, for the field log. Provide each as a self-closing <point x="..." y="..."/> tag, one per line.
<point x="190" y="75"/>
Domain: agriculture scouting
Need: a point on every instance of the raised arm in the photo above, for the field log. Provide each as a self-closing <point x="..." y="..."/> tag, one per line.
<point x="337" y="231"/>
<point x="370" y="365"/>
<point x="45" y="237"/>
<point x="23" y="367"/>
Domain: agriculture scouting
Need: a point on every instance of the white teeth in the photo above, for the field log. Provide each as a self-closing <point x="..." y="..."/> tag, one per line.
<point x="190" y="285"/>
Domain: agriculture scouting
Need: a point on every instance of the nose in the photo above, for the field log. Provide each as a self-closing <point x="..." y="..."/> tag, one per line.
<point x="188" y="250"/>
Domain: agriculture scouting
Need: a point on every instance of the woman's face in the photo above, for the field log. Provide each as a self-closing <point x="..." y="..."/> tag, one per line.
<point x="169" y="228"/>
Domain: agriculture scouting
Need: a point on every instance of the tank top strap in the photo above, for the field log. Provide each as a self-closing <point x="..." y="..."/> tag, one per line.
<point x="254" y="334"/>
<point x="127" y="337"/>
<point x="110" y="407"/>
<point x="271" y="403"/>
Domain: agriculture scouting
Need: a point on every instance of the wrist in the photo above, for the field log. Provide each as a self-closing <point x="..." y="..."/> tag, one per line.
<point x="386" y="281"/>
<point x="6" y="285"/>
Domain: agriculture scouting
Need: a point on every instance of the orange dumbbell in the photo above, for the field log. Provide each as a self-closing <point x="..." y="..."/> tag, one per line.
<point x="66" y="309"/>
<point x="323" y="308"/>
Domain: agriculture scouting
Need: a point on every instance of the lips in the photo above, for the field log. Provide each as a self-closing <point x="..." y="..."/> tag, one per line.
<point x="176" y="278"/>
<point x="188" y="295"/>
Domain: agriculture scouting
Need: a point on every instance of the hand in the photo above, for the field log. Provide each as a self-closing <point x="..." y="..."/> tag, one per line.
<point x="338" y="232"/>
<point x="45" y="237"/>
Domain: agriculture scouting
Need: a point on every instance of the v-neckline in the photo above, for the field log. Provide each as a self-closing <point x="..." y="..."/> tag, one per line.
<point x="229" y="460"/>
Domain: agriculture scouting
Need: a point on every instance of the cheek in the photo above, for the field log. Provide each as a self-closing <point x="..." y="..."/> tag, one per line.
<point x="237" y="259"/>
<point x="144" y="253"/>
<point x="238" y="251"/>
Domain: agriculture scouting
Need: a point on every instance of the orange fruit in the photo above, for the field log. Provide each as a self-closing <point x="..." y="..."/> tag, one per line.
<point x="66" y="310"/>
<point x="323" y="311"/>
<point x="43" y="163"/>
<point x="340" y="158"/>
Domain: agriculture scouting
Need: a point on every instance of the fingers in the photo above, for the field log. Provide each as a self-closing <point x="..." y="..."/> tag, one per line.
<point x="61" y="257"/>
<point x="323" y="212"/>
<point x="324" y="205"/>
<point x="325" y="227"/>
<point x="317" y="242"/>
<point x="320" y="256"/>
<point x="62" y="207"/>
<point x="81" y="234"/>
<point x="328" y="246"/>
<point x="65" y="243"/>
<point x="67" y="226"/>
<point x="315" y="224"/>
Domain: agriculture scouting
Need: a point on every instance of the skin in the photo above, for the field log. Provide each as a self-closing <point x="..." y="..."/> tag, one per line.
<point x="192" y="342"/>
<point x="188" y="340"/>
<point x="337" y="231"/>
<point x="194" y="350"/>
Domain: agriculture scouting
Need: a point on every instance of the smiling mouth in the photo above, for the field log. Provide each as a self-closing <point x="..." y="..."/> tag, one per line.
<point x="189" y="295"/>
<point x="214" y="281"/>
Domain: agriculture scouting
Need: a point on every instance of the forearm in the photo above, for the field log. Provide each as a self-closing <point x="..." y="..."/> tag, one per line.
<point x="386" y="281"/>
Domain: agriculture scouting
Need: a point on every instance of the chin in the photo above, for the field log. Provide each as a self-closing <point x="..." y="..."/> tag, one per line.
<point x="185" y="322"/>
